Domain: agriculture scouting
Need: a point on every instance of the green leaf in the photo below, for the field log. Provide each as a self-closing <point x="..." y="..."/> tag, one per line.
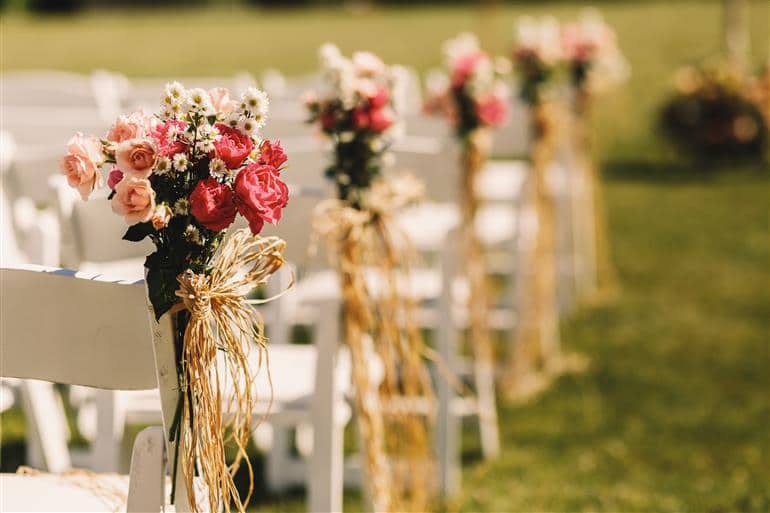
<point x="138" y="231"/>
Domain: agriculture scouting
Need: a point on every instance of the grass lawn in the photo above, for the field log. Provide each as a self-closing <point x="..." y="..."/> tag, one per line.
<point x="674" y="413"/>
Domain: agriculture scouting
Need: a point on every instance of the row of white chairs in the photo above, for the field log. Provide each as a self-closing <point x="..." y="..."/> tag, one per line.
<point x="427" y="151"/>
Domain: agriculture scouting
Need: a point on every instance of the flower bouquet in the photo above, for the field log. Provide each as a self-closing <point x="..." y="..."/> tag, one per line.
<point x="591" y="54"/>
<point x="180" y="178"/>
<point x="476" y="94"/>
<point x="537" y="56"/>
<point x="356" y="111"/>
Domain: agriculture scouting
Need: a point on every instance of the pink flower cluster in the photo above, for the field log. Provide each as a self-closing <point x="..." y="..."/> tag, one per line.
<point x="476" y="93"/>
<point x="200" y="157"/>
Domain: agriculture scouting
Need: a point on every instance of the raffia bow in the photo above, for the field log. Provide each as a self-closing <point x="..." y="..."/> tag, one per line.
<point x="363" y="240"/>
<point x="221" y="322"/>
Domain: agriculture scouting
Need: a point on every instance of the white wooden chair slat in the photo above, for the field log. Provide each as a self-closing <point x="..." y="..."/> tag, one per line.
<point x="107" y="349"/>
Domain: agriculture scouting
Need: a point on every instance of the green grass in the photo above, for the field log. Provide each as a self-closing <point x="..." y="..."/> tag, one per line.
<point x="674" y="413"/>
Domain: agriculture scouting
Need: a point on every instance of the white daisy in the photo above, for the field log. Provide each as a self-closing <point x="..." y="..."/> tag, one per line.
<point x="162" y="166"/>
<point x="218" y="169"/>
<point x="255" y="101"/>
<point x="192" y="234"/>
<point x="180" y="162"/>
<point x="182" y="207"/>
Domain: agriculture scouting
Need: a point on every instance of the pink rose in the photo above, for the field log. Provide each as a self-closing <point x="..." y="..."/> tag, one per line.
<point x="272" y="154"/>
<point x="233" y="147"/>
<point x="212" y="204"/>
<point x="81" y="164"/>
<point x="125" y="128"/>
<point x="464" y="66"/>
<point x="114" y="178"/>
<point x="380" y="120"/>
<point x="492" y="110"/>
<point x="260" y="195"/>
<point x="168" y="147"/>
<point x="134" y="199"/>
<point x="220" y="99"/>
<point x="136" y="157"/>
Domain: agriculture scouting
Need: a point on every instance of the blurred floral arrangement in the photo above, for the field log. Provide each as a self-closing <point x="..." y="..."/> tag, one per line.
<point x="357" y="111"/>
<point x="538" y="57"/>
<point x="476" y="93"/>
<point x="585" y="50"/>
<point x="590" y="51"/>
<point x="717" y="112"/>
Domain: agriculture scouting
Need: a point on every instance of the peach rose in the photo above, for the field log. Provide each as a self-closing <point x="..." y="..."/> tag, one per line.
<point x="220" y="99"/>
<point x="125" y="128"/>
<point x="81" y="164"/>
<point x="134" y="199"/>
<point x="136" y="157"/>
<point x="161" y="216"/>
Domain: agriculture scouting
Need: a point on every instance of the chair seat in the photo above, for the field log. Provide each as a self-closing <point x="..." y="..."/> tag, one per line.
<point x="65" y="493"/>
<point x="75" y="491"/>
<point x="502" y="180"/>
<point x="428" y="224"/>
<point x="425" y="286"/>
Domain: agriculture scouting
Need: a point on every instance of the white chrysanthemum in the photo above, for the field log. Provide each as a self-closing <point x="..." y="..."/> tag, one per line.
<point x="199" y="101"/>
<point x="172" y="133"/>
<point x="182" y="207"/>
<point x="255" y="101"/>
<point x="329" y="55"/>
<point x="463" y="44"/>
<point x="181" y="162"/>
<point x="218" y="169"/>
<point x="250" y="125"/>
<point x="162" y="166"/>
<point x="205" y="146"/>
<point x="175" y="90"/>
<point x="192" y="234"/>
<point x="232" y="120"/>
<point x="346" y="137"/>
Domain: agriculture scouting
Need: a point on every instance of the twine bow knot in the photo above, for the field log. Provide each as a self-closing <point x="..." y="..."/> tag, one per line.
<point x="221" y="321"/>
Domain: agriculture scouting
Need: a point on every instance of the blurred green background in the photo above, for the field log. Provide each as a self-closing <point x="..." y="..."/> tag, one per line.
<point x="674" y="413"/>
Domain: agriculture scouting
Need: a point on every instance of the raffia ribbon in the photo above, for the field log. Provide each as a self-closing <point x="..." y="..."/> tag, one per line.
<point x="363" y="241"/>
<point x="536" y="337"/>
<point x="222" y="322"/>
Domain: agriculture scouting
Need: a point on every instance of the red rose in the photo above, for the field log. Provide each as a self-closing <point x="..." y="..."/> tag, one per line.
<point x="360" y="118"/>
<point x="328" y="120"/>
<point x="261" y="195"/>
<point x="212" y="205"/>
<point x="272" y="154"/>
<point x="233" y="147"/>
<point x="380" y="120"/>
<point x="380" y="99"/>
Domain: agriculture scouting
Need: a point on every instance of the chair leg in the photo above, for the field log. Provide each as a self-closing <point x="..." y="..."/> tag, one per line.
<point x="109" y="432"/>
<point x="483" y="375"/>
<point x="327" y="460"/>
<point x="279" y="459"/>
<point x="147" y="476"/>
<point x="448" y="426"/>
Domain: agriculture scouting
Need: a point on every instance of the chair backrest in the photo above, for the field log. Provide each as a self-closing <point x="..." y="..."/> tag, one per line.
<point x="436" y="162"/>
<point x="296" y="227"/>
<point x="63" y="327"/>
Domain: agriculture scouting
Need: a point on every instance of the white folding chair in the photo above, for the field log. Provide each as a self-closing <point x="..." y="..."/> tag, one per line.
<point x="70" y="347"/>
